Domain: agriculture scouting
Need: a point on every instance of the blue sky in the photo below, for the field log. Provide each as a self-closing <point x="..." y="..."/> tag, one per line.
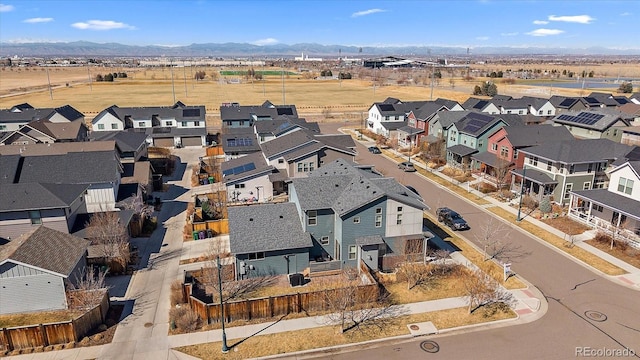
<point x="467" y="23"/>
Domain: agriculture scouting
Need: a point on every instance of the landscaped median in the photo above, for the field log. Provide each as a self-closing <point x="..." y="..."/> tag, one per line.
<point x="326" y="336"/>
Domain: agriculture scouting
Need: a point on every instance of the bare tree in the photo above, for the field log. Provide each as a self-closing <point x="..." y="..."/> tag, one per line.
<point x="105" y="231"/>
<point x="495" y="240"/>
<point x="87" y="290"/>
<point x="482" y="290"/>
<point x="355" y="309"/>
<point x="500" y="171"/>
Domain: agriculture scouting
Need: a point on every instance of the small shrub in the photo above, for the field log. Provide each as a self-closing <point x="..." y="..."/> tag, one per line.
<point x="487" y="188"/>
<point x="545" y="205"/>
<point x="602" y="238"/>
<point x="176" y="293"/>
<point x="530" y="202"/>
<point x="184" y="319"/>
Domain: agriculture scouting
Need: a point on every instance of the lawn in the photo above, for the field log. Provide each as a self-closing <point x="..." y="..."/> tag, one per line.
<point x="436" y="287"/>
<point x="580" y="254"/>
<point x="43" y="317"/>
<point x="566" y="225"/>
<point x="629" y="255"/>
<point x="324" y="336"/>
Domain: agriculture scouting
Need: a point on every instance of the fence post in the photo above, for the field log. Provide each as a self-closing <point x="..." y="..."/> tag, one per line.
<point x="7" y="339"/>
<point x="45" y="338"/>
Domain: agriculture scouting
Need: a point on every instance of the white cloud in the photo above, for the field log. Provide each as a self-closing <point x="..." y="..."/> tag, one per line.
<point x="367" y="12"/>
<point x="267" y="41"/>
<point x="540" y="22"/>
<point x="6" y="8"/>
<point x="509" y="34"/>
<point x="101" y="25"/>
<point x="625" y="14"/>
<point x="545" y="32"/>
<point x="580" y="19"/>
<point x="37" y="20"/>
<point x="482" y="38"/>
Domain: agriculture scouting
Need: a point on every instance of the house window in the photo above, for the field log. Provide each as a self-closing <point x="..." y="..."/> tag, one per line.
<point x="324" y="240"/>
<point x="494" y="147"/>
<point x="312" y="217"/>
<point x="239" y="186"/>
<point x="572" y="168"/>
<point x="534" y="161"/>
<point x="378" y="221"/>
<point x="3" y="127"/>
<point x="241" y="122"/>
<point x="399" y="219"/>
<point x="598" y="208"/>
<point x="196" y="123"/>
<point x="114" y="126"/>
<point x="548" y="165"/>
<point x="586" y="185"/>
<point x="280" y="161"/>
<point x="515" y="154"/>
<point x="548" y="112"/>
<point x="256" y="255"/>
<point x="352" y="252"/>
<point x="378" y="210"/>
<point x="142" y="124"/>
<point x="567" y="188"/>
<point x="36" y="218"/>
<point x="480" y="143"/>
<point x="100" y="126"/>
<point x="356" y="220"/>
<point x="520" y="112"/>
<point x="185" y="124"/>
<point x="504" y="152"/>
<point x="300" y="167"/>
<point x="539" y="112"/>
<point x="168" y="123"/>
<point x="590" y="168"/>
<point x="625" y="185"/>
<point x="399" y="208"/>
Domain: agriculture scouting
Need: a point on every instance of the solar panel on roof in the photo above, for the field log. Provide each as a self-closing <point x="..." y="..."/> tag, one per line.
<point x="191" y="112"/>
<point x="285" y="111"/>
<point x="567" y="102"/>
<point x="386" y="107"/>
<point x="239" y="169"/>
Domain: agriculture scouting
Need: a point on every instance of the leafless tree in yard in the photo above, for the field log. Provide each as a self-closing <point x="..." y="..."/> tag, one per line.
<point x="87" y="290"/>
<point x="482" y="290"/>
<point x="107" y="232"/>
<point x="355" y="309"/>
<point x="494" y="236"/>
<point x="500" y="171"/>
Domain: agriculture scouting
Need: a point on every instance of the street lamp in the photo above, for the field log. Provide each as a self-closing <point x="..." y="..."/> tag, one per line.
<point x="225" y="349"/>
<point x="524" y="173"/>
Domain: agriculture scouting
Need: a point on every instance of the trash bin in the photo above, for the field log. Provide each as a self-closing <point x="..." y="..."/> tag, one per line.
<point x="296" y="279"/>
<point x="202" y="235"/>
<point x="211" y="180"/>
<point x="209" y="233"/>
<point x="195" y="235"/>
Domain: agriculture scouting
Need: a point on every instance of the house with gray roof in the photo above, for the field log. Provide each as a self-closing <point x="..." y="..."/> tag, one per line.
<point x="388" y="116"/>
<point x="270" y="129"/>
<point x="614" y="209"/>
<point x="555" y="169"/>
<point x="165" y="126"/>
<point x="481" y="105"/>
<point x="35" y="267"/>
<point x="353" y="213"/>
<point x="234" y="115"/>
<point x="131" y="146"/>
<point x="566" y="103"/>
<point x="595" y="124"/>
<point x="238" y="141"/>
<point x="417" y="123"/>
<point x="19" y="115"/>
<point x="26" y="206"/>
<point x="268" y="239"/>
<point x="45" y="131"/>
<point x="247" y="178"/>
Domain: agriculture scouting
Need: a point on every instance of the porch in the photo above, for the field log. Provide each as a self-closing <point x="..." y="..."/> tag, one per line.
<point x="536" y="183"/>
<point x="459" y="156"/>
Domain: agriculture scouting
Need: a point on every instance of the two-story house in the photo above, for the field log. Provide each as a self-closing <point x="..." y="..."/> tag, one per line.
<point x="178" y="125"/>
<point x="234" y="115"/>
<point x="555" y="169"/>
<point x="247" y="178"/>
<point x="594" y="124"/>
<point x="45" y="131"/>
<point x="387" y="117"/>
<point x="539" y="106"/>
<point x="615" y="208"/>
<point x="470" y="135"/>
<point x="503" y="149"/>
<point x="353" y="213"/>
<point x="417" y="124"/>
<point x="19" y="115"/>
<point x="481" y="105"/>
<point x="270" y="129"/>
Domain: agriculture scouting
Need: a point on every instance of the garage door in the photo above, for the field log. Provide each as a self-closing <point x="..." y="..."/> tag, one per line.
<point x="191" y="141"/>
<point x="163" y="142"/>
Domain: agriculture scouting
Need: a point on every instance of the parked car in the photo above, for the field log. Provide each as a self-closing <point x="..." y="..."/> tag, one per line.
<point x="374" y="150"/>
<point x="451" y="218"/>
<point x="412" y="189"/>
<point x="406" y="166"/>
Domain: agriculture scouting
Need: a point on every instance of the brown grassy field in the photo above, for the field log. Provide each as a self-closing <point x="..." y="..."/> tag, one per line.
<point x="154" y="87"/>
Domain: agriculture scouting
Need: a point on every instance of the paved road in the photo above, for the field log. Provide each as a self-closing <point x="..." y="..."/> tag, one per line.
<point x="571" y="289"/>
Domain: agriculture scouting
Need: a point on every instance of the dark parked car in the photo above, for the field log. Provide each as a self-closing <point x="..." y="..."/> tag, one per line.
<point x="374" y="150"/>
<point x="406" y="166"/>
<point x="451" y="218"/>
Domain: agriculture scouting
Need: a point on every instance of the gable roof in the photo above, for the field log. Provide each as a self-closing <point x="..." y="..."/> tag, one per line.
<point x="179" y="113"/>
<point x="449" y="104"/>
<point x="57" y="148"/>
<point x="475" y="103"/>
<point x="477" y="123"/>
<point x="592" y="119"/>
<point x="243" y="167"/>
<point x="429" y="109"/>
<point x="71" y="168"/>
<point x="286" y="143"/>
<point x="9" y="167"/>
<point x="580" y="151"/>
<point x="37" y="196"/>
<point x="241" y="140"/>
<point x="266" y="227"/>
<point x="25" y="113"/>
<point x="267" y="109"/>
<point x="447" y="118"/>
<point x="529" y="135"/>
<point x="126" y="140"/>
<point x="46" y="249"/>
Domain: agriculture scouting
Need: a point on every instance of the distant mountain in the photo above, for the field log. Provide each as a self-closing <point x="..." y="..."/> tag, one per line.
<point x="90" y="49"/>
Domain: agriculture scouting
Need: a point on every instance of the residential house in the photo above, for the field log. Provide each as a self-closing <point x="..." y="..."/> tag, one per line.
<point x="441" y="121"/>
<point x="270" y="129"/>
<point x="237" y="142"/>
<point x="630" y="135"/>
<point x="470" y="134"/>
<point x="606" y="100"/>
<point x="19" y="115"/>
<point x="131" y="146"/>
<point x="564" y="104"/>
<point x="451" y="105"/>
<point x="28" y="205"/>
<point x="178" y="125"/>
<point x="233" y="115"/>
<point x="503" y="150"/>
<point x="35" y="267"/>
<point x="615" y="209"/>
<point x="45" y="131"/>
<point x="555" y="169"/>
<point x="417" y="124"/>
<point x="539" y="106"/>
<point x="481" y="105"/>
<point x="594" y="124"/>
<point x="635" y="98"/>
<point x="633" y="110"/>
<point x="387" y="117"/>
<point x="247" y="178"/>
<point x="354" y="213"/>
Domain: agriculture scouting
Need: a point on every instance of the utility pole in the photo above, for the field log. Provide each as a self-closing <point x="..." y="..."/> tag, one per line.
<point x="173" y="86"/>
<point x="90" y="80"/>
<point x="184" y="75"/>
<point x="284" y="102"/>
<point x="524" y="174"/>
<point x="225" y="349"/>
<point x="49" y="81"/>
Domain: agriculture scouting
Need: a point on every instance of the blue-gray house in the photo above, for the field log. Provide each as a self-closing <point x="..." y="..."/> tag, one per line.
<point x="354" y="213"/>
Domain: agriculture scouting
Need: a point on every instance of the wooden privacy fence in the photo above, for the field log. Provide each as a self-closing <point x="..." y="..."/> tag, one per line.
<point x="272" y="306"/>
<point x="217" y="226"/>
<point x="64" y="332"/>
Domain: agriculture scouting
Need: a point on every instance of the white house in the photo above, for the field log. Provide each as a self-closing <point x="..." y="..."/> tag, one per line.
<point x="388" y="116"/>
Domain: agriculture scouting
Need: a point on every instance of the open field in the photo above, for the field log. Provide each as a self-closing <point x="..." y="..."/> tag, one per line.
<point x="154" y="87"/>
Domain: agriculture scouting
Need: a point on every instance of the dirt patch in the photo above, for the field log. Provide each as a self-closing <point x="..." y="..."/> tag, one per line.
<point x="566" y="225"/>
